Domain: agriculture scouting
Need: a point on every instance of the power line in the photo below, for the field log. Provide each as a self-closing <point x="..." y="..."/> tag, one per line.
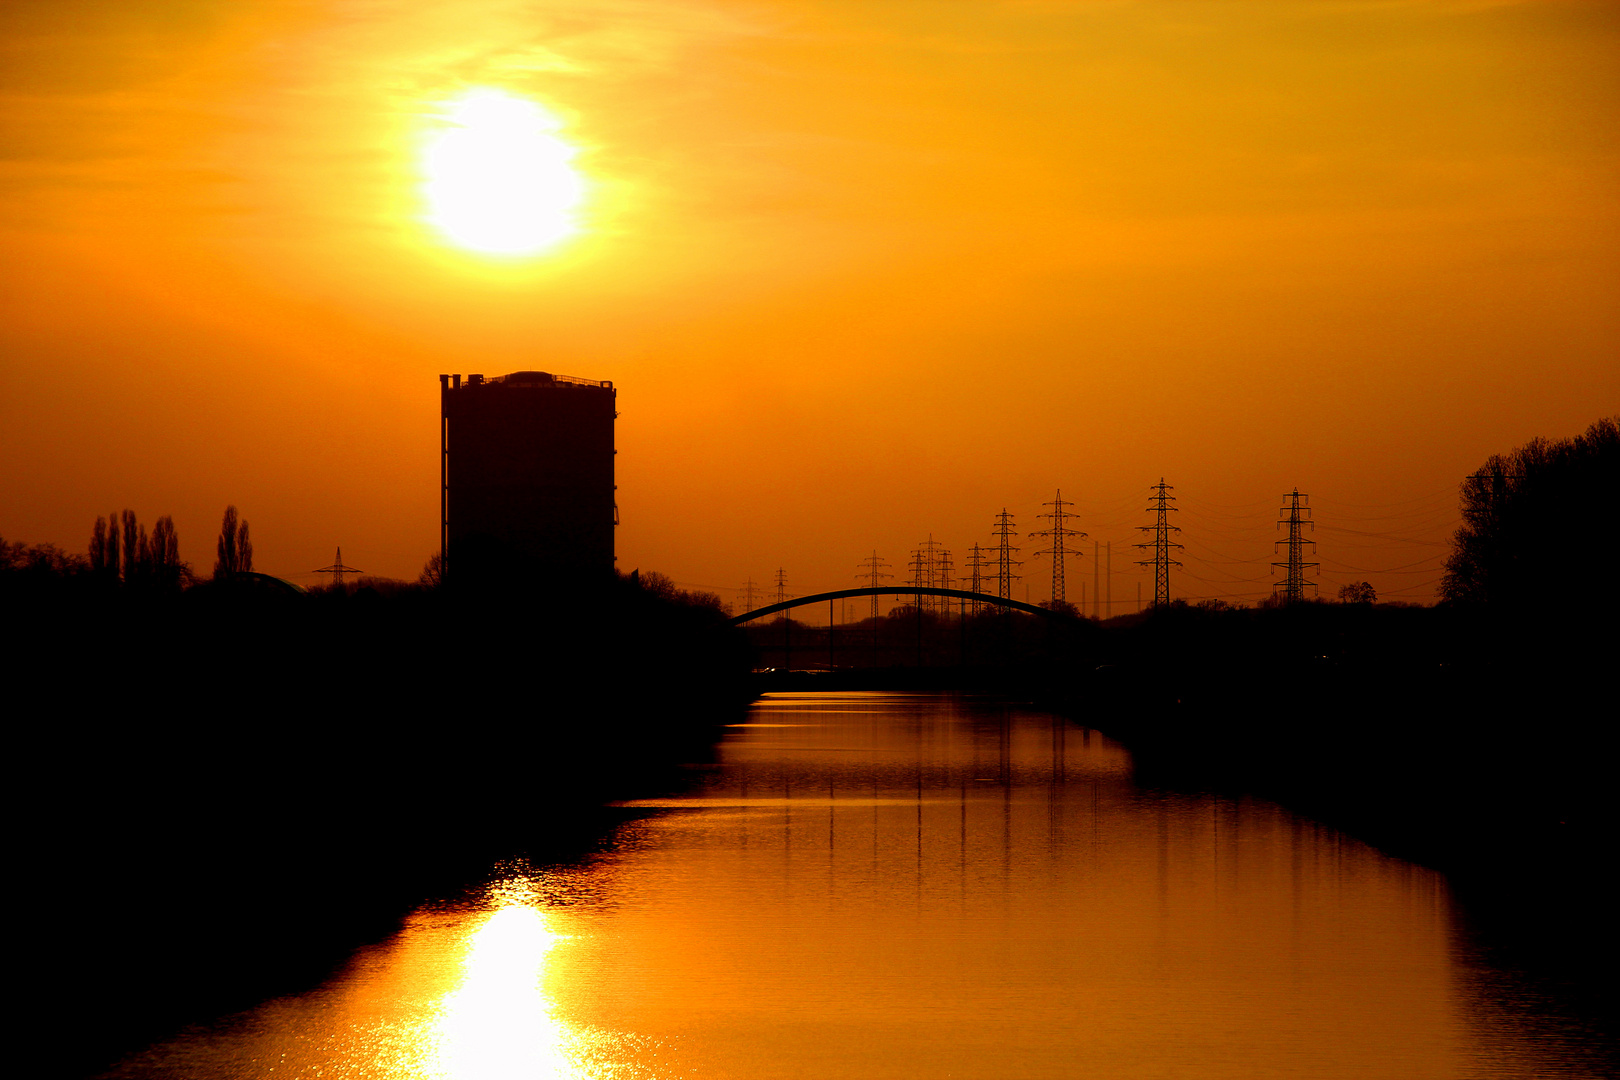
<point x="1388" y="536"/>
<point x="1405" y="568"/>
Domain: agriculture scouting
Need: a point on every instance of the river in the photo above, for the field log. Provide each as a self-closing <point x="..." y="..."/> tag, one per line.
<point x="905" y="886"/>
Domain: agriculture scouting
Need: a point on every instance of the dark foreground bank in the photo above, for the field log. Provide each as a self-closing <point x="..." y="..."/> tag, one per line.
<point x="1480" y="746"/>
<point x="224" y="792"/>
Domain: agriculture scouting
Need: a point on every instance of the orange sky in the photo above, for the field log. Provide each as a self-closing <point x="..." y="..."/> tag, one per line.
<point x="862" y="272"/>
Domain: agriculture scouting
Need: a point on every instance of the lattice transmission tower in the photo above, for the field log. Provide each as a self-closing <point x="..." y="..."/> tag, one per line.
<point x="928" y="561"/>
<point x="751" y="594"/>
<point x="1005" y="548"/>
<point x="781" y="586"/>
<point x="872" y="573"/>
<point x="1161" y="542"/>
<point x="976" y="564"/>
<point x="337" y="570"/>
<point x="921" y="574"/>
<point x="1294" y="584"/>
<point x="1059" y="534"/>
<point x="943" y="566"/>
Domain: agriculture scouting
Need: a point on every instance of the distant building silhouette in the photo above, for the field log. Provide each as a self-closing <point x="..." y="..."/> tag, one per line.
<point x="527" y="477"/>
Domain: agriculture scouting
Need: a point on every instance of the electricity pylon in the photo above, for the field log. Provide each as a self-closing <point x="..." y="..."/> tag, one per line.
<point x="750" y="591"/>
<point x="781" y="585"/>
<point x="1161" y="544"/>
<point x="337" y="570"/>
<point x="928" y="561"/>
<point x="942" y="578"/>
<point x="976" y="563"/>
<point x="922" y="574"/>
<point x="1003" y="532"/>
<point x="872" y="572"/>
<point x="1059" y="534"/>
<point x="1294" y="584"/>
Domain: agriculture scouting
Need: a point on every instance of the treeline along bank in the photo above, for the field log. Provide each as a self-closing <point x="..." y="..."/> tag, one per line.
<point x="229" y="782"/>
<point x="227" y="785"/>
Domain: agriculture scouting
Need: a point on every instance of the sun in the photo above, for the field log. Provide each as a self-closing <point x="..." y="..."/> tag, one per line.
<point x="497" y="178"/>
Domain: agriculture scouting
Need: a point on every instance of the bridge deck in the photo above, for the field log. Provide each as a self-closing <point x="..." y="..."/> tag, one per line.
<point x="898" y="590"/>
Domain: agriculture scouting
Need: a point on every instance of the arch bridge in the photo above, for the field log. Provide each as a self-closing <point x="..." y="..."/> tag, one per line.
<point x="898" y="590"/>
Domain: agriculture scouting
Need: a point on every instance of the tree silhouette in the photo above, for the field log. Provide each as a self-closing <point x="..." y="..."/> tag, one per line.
<point x="163" y="554"/>
<point x="235" y="549"/>
<point x="153" y="559"/>
<point x="1525" y="512"/>
<point x="112" y="566"/>
<point x="1358" y="592"/>
<point x="98" y="549"/>
<point x="133" y="542"/>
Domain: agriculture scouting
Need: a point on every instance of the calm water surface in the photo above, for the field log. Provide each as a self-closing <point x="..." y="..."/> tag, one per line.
<point x="883" y="885"/>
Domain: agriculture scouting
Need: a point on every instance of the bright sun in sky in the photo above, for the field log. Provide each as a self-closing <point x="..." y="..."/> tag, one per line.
<point x="498" y="178"/>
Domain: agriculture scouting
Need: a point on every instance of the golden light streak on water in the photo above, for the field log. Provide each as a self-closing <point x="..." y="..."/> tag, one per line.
<point x="499" y="1023"/>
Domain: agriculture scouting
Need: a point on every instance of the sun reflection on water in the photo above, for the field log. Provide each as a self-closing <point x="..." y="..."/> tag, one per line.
<point x="499" y="1023"/>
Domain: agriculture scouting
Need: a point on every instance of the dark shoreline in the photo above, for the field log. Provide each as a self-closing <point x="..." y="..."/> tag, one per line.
<point x="226" y="795"/>
<point x="245" y="841"/>
<point x="1480" y="747"/>
<point x="1508" y="811"/>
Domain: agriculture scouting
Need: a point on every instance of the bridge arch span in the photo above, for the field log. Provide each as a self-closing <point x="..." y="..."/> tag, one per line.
<point x="899" y="590"/>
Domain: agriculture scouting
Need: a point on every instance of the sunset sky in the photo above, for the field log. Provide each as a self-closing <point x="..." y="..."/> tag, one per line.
<point x="863" y="272"/>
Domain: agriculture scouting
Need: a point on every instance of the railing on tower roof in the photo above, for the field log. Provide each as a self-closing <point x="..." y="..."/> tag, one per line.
<point x="545" y="378"/>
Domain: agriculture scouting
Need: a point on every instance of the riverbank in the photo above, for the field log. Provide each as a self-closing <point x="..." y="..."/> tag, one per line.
<point x="228" y="793"/>
<point x="1478" y="748"/>
<point x="1435" y="731"/>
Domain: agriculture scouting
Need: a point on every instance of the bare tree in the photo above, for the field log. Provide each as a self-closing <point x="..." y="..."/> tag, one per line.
<point x="121" y="549"/>
<point x="132" y="546"/>
<point x="656" y="584"/>
<point x="1358" y="593"/>
<point x="235" y="548"/>
<point x="112" y="545"/>
<point x="98" y="547"/>
<point x="164" y="553"/>
<point x="244" y="549"/>
<point x="225" y="561"/>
